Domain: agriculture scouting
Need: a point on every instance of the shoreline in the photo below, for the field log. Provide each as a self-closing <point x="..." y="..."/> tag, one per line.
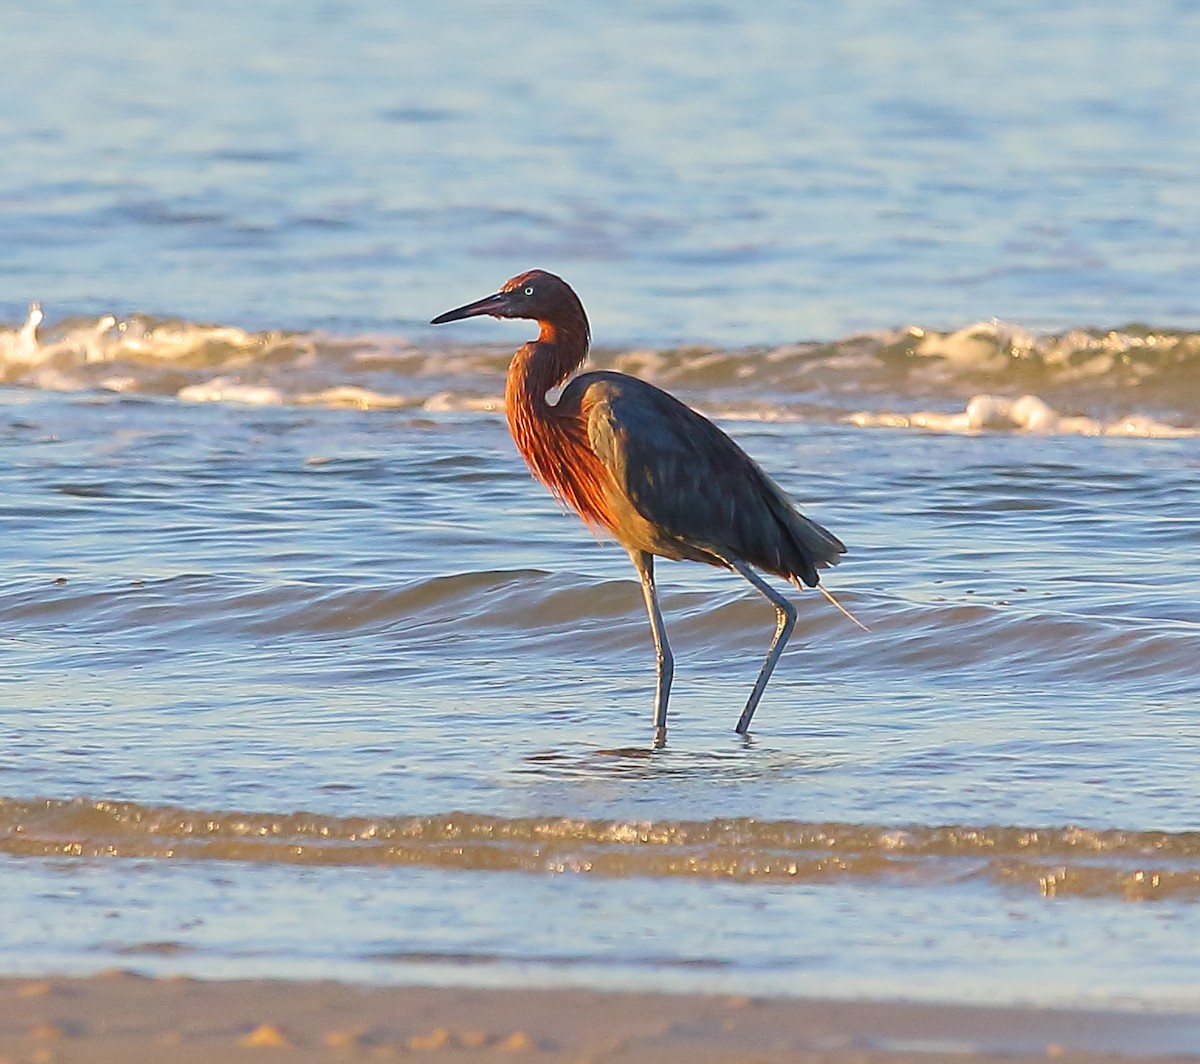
<point x="123" y="1017"/>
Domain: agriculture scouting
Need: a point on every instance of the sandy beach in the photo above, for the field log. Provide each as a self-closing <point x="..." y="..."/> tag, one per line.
<point x="122" y="1017"/>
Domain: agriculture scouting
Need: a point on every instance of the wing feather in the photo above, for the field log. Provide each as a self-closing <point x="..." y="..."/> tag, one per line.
<point x="687" y="478"/>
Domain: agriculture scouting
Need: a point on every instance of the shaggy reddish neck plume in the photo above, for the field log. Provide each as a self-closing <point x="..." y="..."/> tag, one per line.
<point x="552" y="437"/>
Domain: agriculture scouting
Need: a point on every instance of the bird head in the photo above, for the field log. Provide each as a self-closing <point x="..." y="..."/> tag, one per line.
<point x="536" y="294"/>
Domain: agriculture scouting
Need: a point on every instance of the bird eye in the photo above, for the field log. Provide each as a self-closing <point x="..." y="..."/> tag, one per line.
<point x="529" y="291"/>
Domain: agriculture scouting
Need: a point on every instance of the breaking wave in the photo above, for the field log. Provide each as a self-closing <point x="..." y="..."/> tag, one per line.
<point x="1133" y="381"/>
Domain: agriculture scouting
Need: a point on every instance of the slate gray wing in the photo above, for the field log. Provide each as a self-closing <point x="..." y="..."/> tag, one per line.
<point x="688" y="478"/>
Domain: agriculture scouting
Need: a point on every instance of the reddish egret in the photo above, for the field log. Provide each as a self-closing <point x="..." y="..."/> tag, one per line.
<point x="636" y="462"/>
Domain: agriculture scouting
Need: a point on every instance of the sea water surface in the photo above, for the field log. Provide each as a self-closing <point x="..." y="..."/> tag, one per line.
<point x="305" y="677"/>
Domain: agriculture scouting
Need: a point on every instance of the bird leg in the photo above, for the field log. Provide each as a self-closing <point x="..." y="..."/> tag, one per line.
<point x="785" y="613"/>
<point x="644" y="563"/>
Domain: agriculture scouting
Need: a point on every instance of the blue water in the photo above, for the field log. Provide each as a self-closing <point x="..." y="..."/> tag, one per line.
<point x="304" y="675"/>
<point x="710" y="171"/>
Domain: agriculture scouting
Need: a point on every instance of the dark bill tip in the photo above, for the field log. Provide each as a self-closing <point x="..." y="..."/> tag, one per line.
<point x="494" y="305"/>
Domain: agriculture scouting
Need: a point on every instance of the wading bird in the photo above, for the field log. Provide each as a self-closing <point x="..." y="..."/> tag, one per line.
<point x="659" y="477"/>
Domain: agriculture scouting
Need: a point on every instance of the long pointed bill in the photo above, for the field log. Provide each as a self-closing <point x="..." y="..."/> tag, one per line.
<point x="494" y="305"/>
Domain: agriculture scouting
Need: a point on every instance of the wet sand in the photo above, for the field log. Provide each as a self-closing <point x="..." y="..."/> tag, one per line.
<point x="121" y="1017"/>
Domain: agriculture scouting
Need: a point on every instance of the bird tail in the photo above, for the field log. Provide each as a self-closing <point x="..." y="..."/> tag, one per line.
<point x="818" y="542"/>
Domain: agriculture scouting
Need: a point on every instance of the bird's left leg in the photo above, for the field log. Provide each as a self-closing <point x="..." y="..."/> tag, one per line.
<point x="785" y="613"/>
<point x="644" y="563"/>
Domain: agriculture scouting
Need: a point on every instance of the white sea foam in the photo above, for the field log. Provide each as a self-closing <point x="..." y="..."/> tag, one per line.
<point x="986" y="376"/>
<point x="223" y="390"/>
<point x="1028" y="413"/>
<point x="351" y="396"/>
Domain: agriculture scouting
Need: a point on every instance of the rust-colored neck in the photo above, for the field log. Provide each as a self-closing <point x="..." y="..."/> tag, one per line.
<point x="552" y="438"/>
<point x="546" y="362"/>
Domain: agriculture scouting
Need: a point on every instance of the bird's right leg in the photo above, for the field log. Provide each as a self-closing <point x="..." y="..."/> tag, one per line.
<point x="644" y="563"/>
<point x="785" y="614"/>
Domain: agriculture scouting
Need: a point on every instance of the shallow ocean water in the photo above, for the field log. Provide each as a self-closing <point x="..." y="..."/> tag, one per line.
<point x="307" y="678"/>
<point x="278" y="663"/>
